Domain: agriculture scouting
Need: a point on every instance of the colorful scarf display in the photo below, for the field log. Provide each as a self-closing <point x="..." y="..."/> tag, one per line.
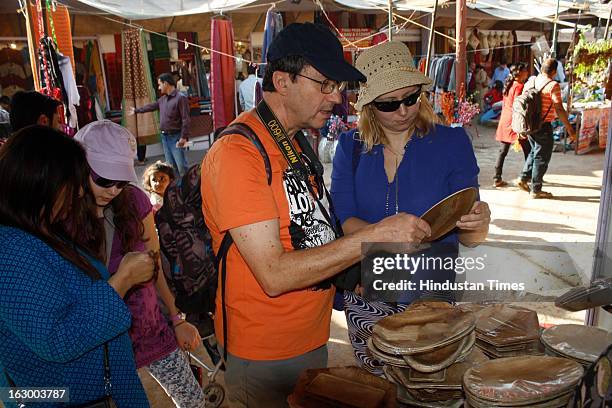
<point x="59" y="20"/>
<point x="95" y="77"/>
<point x="138" y="88"/>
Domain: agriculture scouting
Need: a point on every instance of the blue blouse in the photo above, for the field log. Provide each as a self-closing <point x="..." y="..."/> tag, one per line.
<point x="433" y="167"/>
<point x="54" y="320"/>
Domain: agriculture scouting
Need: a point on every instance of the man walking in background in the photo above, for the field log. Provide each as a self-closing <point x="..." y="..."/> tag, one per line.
<point x="542" y="141"/>
<point x="173" y="120"/>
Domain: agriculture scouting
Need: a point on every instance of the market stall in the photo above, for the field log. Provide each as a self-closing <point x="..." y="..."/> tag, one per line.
<point x="590" y="104"/>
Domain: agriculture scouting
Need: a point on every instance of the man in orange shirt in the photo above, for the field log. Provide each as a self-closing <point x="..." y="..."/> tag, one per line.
<point x="287" y="245"/>
<point x="542" y="142"/>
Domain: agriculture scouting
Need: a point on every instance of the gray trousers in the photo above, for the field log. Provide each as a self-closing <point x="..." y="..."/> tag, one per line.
<point x="267" y="384"/>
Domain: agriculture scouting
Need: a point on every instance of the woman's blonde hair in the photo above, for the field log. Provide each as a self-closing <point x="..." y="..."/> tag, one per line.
<point x="372" y="133"/>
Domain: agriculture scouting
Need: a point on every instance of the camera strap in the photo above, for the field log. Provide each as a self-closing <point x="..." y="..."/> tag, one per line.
<point x="296" y="161"/>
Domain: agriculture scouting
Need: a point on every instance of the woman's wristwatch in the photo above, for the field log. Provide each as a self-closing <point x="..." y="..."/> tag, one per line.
<point x="178" y="319"/>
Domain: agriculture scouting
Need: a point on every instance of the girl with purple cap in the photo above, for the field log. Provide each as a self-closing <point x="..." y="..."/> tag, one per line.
<point x="61" y="315"/>
<point x="125" y="213"/>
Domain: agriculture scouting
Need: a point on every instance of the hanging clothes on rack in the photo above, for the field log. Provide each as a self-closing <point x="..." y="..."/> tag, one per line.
<point x="138" y="88"/>
<point x="52" y="78"/>
<point x="159" y="56"/>
<point x="442" y="72"/>
<point x="222" y="72"/>
<point x="14" y="75"/>
<point x="59" y="19"/>
<point x="112" y="65"/>
<point x="273" y="26"/>
<point x="200" y="70"/>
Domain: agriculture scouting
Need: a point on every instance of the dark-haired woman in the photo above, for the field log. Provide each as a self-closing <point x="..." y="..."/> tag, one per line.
<point x="126" y="214"/>
<point x="60" y="313"/>
<point x="504" y="134"/>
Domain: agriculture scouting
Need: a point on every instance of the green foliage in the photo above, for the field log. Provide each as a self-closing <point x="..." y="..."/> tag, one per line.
<point x="591" y="61"/>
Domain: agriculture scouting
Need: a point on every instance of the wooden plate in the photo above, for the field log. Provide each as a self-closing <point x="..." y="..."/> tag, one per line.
<point x="443" y="216"/>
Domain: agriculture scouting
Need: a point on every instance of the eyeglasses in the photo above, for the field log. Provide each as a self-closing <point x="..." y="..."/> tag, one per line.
<point x="392" y="106"/>
<point x="106" y="183"/>
<point x="327" y="85"/>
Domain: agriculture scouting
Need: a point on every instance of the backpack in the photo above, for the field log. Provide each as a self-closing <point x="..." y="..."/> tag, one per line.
<point x="527" y="111"/>
<point x="188" y="259"/>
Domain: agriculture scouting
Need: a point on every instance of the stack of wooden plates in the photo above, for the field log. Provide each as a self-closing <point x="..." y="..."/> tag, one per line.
<point x="526" y="381"/>
<point x="508" y="331"/>
<point x="582" y="344"/>
<point x="342" y="387"/>
<point x="420" y="348"/>
<point x="443" y="387"/>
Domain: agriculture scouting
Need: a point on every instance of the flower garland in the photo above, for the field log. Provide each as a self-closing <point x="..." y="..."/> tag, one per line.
<point x="456" y="110"/>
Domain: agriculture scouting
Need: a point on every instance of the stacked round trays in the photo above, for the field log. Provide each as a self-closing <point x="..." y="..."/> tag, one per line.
<point x="507" y="331"/>
<point x="525" y="381"/>
<point x="420" y="347"/>
<point x="582" y="344"/>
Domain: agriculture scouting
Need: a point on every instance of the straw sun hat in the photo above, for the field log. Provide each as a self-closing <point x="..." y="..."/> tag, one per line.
<point x="387" y="67"/>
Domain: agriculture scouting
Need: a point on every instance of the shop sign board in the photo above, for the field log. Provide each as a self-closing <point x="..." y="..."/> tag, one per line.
<point x="356" y="36"/>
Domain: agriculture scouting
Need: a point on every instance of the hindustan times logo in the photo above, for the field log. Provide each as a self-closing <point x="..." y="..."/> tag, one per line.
<point x="411" y="264"/>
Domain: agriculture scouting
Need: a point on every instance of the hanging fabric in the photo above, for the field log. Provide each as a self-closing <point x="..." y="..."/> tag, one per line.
<point x="273" y="26"/>
<point x="222" y="72"/>
<point x="201" y="72"/>
<point x="59" y="20"/>
<point x="114" y="74"/>
<point x="95" y="76"/>
<point x="138" y="88"/>
<point x="379" y="38"/>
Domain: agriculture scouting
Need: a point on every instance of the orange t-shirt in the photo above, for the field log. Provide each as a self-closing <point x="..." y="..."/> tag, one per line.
<point x="551" y="94"/>
<point x="235" y="192"/>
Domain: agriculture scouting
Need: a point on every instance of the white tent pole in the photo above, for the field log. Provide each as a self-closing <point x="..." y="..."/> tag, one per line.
<point x="608" y="24"/>
<point x="391" y="20"/>
<point x="461" y="19"/>
<point x="431" y="37"/>
<point x="554" y="39"/>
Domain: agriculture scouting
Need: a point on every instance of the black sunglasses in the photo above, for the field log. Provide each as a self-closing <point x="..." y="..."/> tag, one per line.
<point x="392" y="106"/>
<point x="106" y="183"/>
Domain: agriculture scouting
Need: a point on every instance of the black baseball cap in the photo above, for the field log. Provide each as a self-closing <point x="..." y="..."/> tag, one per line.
<point x="319" y="47"/>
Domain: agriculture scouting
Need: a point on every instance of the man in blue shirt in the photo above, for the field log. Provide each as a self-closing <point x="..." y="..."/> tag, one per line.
<point x="500" y="74"/>
<point x="247" y="89"/>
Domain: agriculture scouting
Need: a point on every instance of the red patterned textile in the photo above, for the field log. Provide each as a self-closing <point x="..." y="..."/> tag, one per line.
<point x="222" y="73"/>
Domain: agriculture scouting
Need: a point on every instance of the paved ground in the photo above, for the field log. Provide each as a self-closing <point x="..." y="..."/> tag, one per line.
<point x="570" y="218"/>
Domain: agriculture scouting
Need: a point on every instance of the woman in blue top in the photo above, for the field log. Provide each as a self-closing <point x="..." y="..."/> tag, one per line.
<point x="58" y="306"/>
<point x="400" y="160"/>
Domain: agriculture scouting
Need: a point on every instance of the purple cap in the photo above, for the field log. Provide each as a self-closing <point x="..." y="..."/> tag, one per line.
<point x="110" y="148"/>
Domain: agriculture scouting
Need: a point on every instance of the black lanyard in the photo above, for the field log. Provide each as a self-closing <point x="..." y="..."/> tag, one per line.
<point x="282" y="140"/>
<point x="295" y="159"/>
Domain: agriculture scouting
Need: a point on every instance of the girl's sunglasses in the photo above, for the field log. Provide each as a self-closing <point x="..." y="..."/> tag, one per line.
<point x="392" y="106"/>
<point x="106" y="183"/>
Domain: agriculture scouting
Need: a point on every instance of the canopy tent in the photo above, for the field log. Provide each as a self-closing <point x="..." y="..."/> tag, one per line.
<point x="527" y="9"/>
<point x="502" y="9"/>
<point x="400" y="5"/>
<point x="145" y="9"/>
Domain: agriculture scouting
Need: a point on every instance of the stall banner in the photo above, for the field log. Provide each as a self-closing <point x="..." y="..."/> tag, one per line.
<point x="604" y="119"/>
<point x="357" y="36"/>
<point x="587" y="135"/>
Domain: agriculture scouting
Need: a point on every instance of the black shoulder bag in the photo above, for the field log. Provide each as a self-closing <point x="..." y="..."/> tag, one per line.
<point x="107" y="400"/>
